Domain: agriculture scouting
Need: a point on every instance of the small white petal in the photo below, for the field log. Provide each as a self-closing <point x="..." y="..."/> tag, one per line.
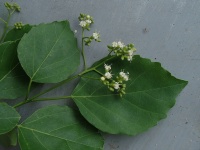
<point x="116" y="85"/>
<point x="120" y="44"/>
<point x="95" y="35"/>
<point x="108" y="75"/>
<point x="83" y="24"/>
<point x="107" y="67"/>
<point x="126" y="78"/>
<point x="130" y="52"/>
<point x="114" y="44"/>
<point x="122" y="74"/>
<point x="89" y="21"/>
<point x="130" y="58"/>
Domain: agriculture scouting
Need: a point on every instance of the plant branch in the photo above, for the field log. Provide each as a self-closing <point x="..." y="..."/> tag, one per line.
<point x="3" y="20"/>
<point x="110" y="52"/>
<point x="28" y="91"/>
<point x="51" y="98"/>
<point x="41" y="99"/>
<point x="21" y="103"/>
<point x="112" y="57"/>
<point x="6" y="26"/>
<point x="98" y="72"/>
<point x="12" y="12"/>
<point x="53" y="87"/>
<point x="85" y="37"/>
<point x="83" y="52"/>
<point x="91" y="78"/>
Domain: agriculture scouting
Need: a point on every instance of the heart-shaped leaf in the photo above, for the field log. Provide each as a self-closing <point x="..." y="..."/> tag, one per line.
<point x="49" y="53"/>
<point x="9" y="118"/>
<point x="16" y="34"/>
<point x="150" y="93"/>
<point x="58" y="127"/>
<point x="13" y="80"/>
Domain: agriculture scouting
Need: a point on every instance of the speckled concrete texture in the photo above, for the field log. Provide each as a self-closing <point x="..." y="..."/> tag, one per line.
<point x="167" y="31"/>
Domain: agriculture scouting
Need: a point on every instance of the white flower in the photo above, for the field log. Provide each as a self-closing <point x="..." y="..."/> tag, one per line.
<point x="124" y="75"/>
<point x="130" y="52"/>
<point x="83" y="24"/>
<point x="89" y="21"/>
<point x="108" y="75"/>
<point x="120" y="44"/>
<point x="130" y="58"/>
<point x="107" y="67"/>
<point x="130" y="55"/>
<point x="125" y="78"/>
<point x="95" y="35"/>
<point x="102" y="78"/>
<point x="116" y="85"/>
<point x="114" y="44"/>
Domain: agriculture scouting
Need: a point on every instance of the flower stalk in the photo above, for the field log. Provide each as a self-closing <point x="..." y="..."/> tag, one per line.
<point x="83" y="51"/>
<point x="11" y="8"/>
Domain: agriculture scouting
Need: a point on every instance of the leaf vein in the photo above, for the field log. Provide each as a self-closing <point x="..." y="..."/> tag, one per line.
<point x="38" y="140"/>
<point x="54" y="136"/>
<point x="141" y="107"/>
<point x="9" y="72"/>
<point x="137" y="78"/>
<point x="122" y="118"/>
<point x="59" y="60"/>
<point x="62" y="127"/>
<point x="48" y="53"/>
<point x="86" y="81"/>
<point x="24" y="139"/>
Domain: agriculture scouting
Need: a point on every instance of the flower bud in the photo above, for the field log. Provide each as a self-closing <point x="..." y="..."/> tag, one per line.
<point x="102" y="78"/>
<point x="16" y="7"/>
<point x="18" y="25"/>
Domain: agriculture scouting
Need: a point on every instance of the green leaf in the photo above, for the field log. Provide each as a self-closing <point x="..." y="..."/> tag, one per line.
<point x="9" y="118"/>
<point x="58" y="127"/>
<point x="9" y="139"/>
<point x="49" y="52"/>
<point x="15" y="34"/>
<point x="150" y="93"/>
<point x="13" y="80"/>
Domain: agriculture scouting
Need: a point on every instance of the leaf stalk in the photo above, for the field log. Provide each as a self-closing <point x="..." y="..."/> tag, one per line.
<point x="6" y="26"/>
<point x="3" y="20"/>
<point x="83" y="51"/>
<point x="28" y="91"/>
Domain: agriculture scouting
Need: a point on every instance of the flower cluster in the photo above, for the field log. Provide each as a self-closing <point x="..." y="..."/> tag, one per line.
<point x="117" y="84"/>
<point x="95" y="36"/>
<point x="12" y="6"/>
<point x="18" y="25"/>
<point x="85" y="21"/>
<point x="122" y="50"/>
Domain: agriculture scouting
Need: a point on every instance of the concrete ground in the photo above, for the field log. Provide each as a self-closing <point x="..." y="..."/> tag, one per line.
<point x="167" y="31"/>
